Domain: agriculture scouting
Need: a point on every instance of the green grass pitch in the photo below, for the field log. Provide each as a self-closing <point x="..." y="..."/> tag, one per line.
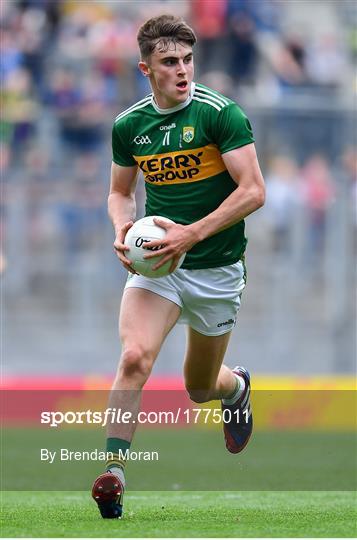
<point x="274" y="461"/>
<point x="291" y="484"/>
<point x="182" y="514"/>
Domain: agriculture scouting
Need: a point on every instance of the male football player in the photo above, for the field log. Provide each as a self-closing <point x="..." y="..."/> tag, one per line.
<point x="195" y="150"/>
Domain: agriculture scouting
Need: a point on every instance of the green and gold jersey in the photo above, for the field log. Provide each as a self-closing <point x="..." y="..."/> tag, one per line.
<point x="179" y="153"/>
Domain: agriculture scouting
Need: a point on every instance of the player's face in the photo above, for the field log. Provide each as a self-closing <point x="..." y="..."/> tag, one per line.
<point x="171" y="73"/>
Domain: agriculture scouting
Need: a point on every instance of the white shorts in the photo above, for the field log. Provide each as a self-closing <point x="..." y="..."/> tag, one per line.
<point x="209" y="298"/>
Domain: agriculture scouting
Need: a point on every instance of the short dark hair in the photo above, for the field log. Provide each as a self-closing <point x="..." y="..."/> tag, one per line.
<point x="164" y="29"/>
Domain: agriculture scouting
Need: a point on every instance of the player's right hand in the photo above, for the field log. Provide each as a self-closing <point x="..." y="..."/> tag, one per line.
<point x="120" y="248"/>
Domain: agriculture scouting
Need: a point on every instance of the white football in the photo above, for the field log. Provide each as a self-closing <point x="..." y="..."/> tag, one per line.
<point x="145" y="230"/>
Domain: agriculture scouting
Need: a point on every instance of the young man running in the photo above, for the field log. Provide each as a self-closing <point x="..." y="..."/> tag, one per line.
<point x="195" y="150"/>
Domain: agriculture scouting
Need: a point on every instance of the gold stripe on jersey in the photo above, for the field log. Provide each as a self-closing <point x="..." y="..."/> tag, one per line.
<point x="182" y="167"/>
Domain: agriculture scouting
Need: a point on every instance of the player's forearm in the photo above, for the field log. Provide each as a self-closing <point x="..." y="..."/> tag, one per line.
<point x="234" y="208"/>
<point x="121" y="209"/>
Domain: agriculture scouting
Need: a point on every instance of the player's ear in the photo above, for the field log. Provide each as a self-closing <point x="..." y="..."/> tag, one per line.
<point x="144" y="68"/>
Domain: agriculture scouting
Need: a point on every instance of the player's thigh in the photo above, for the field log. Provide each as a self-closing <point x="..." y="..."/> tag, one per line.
<point x="145" y="319"/>
<point x="204" y="357"/>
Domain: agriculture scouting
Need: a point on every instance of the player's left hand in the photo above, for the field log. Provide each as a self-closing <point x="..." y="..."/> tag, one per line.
<point x="178" y="240"/>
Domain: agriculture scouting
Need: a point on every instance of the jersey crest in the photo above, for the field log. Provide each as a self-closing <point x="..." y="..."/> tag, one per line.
<point x="188" y="134"/>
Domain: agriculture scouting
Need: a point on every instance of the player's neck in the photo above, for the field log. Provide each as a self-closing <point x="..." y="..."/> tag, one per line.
<point x="158" y="103"/>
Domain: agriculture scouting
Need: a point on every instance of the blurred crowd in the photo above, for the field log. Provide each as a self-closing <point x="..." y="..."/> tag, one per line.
<point x="68" y="67"/>
<point x="310" y="191"/>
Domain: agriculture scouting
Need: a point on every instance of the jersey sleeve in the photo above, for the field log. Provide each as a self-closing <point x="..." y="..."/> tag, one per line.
<point x="121" y="153"/>
<point x="233" y="129"/>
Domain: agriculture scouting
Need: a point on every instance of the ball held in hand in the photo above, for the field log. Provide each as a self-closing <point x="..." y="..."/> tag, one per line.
<point x="145" y="230"/>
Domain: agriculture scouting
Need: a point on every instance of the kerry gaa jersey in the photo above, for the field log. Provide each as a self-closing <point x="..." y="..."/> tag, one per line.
<point x="178" y="151"/>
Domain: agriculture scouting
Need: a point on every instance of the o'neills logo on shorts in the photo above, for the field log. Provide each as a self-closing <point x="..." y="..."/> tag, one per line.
<point x="181" y="167"/>
<point x="226" y="323"/>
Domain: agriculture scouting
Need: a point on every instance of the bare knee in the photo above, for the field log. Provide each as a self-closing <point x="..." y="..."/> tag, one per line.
<point x="199" y="395"/>
<point x="135" y="363"/>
